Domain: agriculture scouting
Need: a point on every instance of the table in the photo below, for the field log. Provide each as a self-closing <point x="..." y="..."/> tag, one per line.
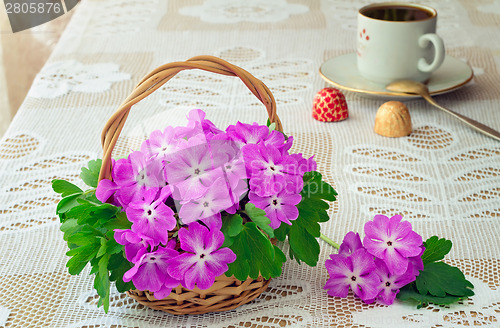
<point x="444" y="178"/>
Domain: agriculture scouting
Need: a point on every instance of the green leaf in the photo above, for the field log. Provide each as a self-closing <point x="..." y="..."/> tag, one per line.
<point x="117" y="266"/>
<point x="231" y="227"/>
<point x="259" y="217"/>
<point x="440" y="279"/>
<point x="315" y="188"/>
<point x="82" y="239"/>
<point x="272" y="127"/>
<point x="303" y="232"/>
<point x="282" y="232"/>
<point x="118" y="221"/>
<point x="255" y="255"/>
<point x="81" y="213"/>
<point x="65" y="188"/>
<point x="303" y="245"/>
<point x="113" y="247"/>
<point x="308" y="219"/>
<point x="67" y="203"/>
<point x="90" y="175"/>
<point x="103" y="248"/>
<point x="410" y="293"/>
<point x="436" y="249"/>
<point x="102" y="283"/>
<point x="439" y="282"/>
<point x="81" y="256"/>
<point x="70" y="227"/>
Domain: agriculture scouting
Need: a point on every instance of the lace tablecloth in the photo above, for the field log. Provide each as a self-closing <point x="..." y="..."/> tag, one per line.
<point x="444" y="178"/>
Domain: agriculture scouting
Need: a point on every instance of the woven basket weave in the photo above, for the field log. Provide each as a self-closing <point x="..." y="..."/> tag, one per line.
<point x="227" y="292"/>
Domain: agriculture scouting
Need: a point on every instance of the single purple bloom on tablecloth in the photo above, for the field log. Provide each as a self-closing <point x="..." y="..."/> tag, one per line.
<point x="194" y="170"/>
<point x="392" y="241"/>
<point x="151" y="217"/>
<point x="390" y="283"/>
<point x="356" y="271"/>
<point x="350" y="244"/>
<point x="160" y="144"/>
<point x="136" y="174"/>
<point x="150" y="271"/>
<point x="136" y="244"/>
<point x="270" y="171"/>
<point x="203" y="259"/>
<point x="279" y="208"/>
<point x="208" y="206"/>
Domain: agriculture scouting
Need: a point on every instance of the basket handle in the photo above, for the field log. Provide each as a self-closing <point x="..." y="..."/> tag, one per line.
<point x="162" y="74"/>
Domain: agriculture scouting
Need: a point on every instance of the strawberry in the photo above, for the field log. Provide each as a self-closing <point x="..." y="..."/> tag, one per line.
<point x="329" y="105"/>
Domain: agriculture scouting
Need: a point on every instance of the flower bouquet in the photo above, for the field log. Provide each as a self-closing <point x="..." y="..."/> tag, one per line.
<point x="188" y="224"/>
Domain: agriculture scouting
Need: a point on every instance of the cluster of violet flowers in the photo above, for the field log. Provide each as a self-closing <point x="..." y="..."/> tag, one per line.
<point x="388" y="258"/>
<point x="178" y="188"/>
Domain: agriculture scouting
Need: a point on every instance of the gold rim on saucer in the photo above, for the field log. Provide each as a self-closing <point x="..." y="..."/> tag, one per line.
<point x="343" y="73"/>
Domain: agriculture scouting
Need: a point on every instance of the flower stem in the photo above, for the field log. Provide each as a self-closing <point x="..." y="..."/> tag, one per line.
<point x="329" y="241"/>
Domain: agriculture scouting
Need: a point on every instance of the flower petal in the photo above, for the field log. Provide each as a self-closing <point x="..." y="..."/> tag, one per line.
<point x="376" y="248"/>
<point x="398" y="229"/>
<point x="213" y="241"/>
<point x="199" y="275"/>
<point x="192" y="238"/>
<point x="337" y="287"/>
<point x="377" y="229"/>
<point x="350" y="244"/>
<point x="410" y="245"/>
<point x="396" y="263"/>
<point x="217" y="261"/>
<point x="179" y="265"/>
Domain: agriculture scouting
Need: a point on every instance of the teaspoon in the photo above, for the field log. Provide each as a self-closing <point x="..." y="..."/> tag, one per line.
<point x="412" y="87"/>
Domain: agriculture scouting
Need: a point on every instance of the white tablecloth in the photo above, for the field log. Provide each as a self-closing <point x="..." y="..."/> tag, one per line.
<point x="444" y="178"/>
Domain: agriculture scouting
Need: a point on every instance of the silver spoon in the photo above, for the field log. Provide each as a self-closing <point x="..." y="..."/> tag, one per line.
<point x="412" y="87"/>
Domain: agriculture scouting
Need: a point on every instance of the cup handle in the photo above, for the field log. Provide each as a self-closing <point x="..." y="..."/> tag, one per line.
<point x="439" y="53"/>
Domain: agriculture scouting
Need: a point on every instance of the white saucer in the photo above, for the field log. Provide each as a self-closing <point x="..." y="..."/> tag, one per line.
<point x="343" y="73"/>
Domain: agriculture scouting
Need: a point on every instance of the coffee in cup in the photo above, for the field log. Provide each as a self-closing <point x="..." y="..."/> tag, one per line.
<point x="397" y="41"/>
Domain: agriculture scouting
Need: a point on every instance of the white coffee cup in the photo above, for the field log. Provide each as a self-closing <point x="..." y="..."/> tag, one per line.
<point x="397" y="41"/>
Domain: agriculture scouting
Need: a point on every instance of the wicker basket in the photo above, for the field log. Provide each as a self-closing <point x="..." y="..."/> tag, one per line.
<point x="227" y="292"/>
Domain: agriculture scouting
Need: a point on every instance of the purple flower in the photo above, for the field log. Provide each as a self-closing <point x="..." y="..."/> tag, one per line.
<point x="277" y="139"/>
<point x="356" y="271"/>
<point x="392" y="241"/>
<point x="194" y="170"/>
<point x="208" y="206"/>
<point x="415" y="263"/>
<point x="390" y="283"/>
<point x="105" y="189"/>
<point x="150" y="272"/>
<point x="247" y="133"/>
<point x="279" y="208"/>
<point x="203" y="259"/>
<point x="350" y="244"/>
<point x="151" y="217"/>
<point x="235" y="171"/>
<point x="136" y="174"/>
<point x="160" y="144"/>
<point x="136" y="245"/>
<point x="304" y="165"/>
<point x="197" y="125"/>
<point x="270" y="171"/>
